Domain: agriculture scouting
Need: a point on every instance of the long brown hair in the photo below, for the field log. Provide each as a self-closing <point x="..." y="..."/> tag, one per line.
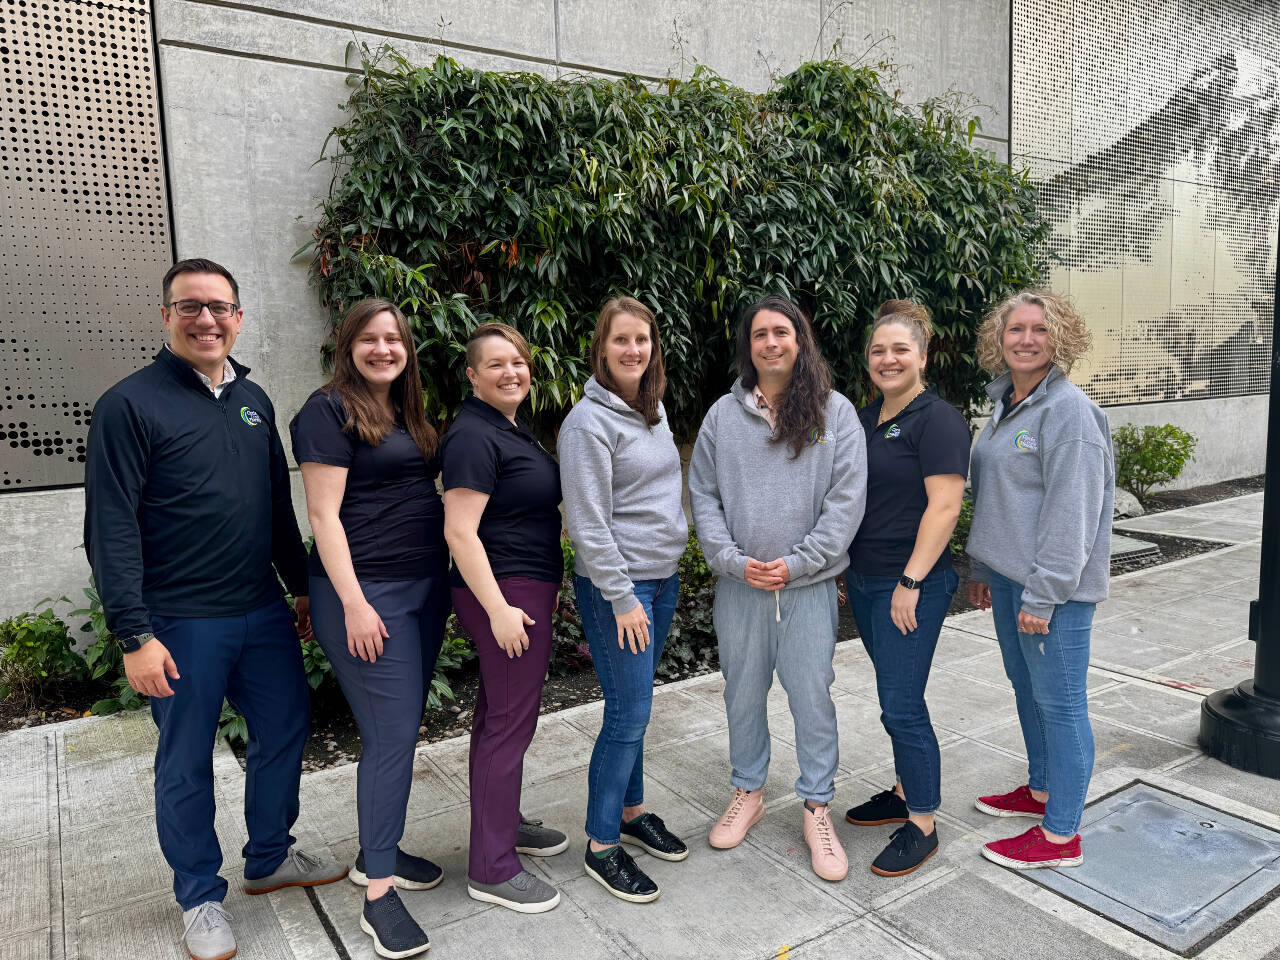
<point x="653" y="382"/>
<point x="366" y="417"/>
<point x="802" y="408"/>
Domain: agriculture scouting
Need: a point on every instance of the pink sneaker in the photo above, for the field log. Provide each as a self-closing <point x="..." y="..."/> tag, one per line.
<point x="1031" y="850"/>
<point x="825" y="852"/>
<point x="1019" y="803"/>
<point x="744" y="812"/>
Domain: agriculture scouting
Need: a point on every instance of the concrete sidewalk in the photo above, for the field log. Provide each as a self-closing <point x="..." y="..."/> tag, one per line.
<point x="81" y="875"/>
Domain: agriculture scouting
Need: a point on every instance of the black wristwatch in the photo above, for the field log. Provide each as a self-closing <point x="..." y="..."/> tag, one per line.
<point x="908" y="582"/>
<point x="134" y="644"/>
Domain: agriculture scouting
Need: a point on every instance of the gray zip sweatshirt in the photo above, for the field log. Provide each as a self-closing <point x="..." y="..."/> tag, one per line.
<point x="751" y="499"/>
<point x="1043" y="481"/>
<point x="621" y="482"/>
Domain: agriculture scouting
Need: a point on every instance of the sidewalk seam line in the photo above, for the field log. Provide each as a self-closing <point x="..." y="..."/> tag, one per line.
<point x="330" y="930"/>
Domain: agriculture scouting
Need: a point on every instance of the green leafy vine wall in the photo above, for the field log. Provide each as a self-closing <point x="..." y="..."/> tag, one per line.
<point x="468" y="196"/>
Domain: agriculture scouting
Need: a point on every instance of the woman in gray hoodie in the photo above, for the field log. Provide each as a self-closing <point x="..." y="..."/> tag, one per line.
<point x="620" y="472"/>
<point x="1043" y="479"/>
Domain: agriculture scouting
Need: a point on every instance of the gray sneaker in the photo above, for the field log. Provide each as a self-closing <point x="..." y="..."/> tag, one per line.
<point x="298" y="869"/>
<point x="539" y="841"/>
<point x="206" y="932"/>
<point x="523" y="893"/>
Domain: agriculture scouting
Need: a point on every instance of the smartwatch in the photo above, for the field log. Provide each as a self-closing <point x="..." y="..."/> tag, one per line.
<point x="908" y="582"/>
<point x="134" y="644"/>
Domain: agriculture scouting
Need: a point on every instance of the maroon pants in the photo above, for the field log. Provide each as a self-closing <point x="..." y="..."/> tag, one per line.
<point x="505" y="719"/>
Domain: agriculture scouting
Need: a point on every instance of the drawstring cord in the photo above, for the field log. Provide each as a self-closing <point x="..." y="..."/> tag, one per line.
<point x="777" y="606"/>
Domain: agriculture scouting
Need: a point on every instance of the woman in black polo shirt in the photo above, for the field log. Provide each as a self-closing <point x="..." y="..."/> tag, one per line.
<point x="379" y="585"/>
<point x="900" y="576"/>
<point x="502" y="522"/>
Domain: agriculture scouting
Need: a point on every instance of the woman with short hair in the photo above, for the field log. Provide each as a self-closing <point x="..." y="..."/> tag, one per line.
<point x="1043" y="478"/>
<point x="379" y="585"/>
<point x="620" y="471"/>
<point x="502" y="523"/>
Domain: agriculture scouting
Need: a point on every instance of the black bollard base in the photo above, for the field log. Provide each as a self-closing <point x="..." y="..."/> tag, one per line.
<point x="1241" y="727"/>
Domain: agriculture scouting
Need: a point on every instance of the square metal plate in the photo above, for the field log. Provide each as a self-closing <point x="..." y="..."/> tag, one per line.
<point x="1168" y="868"/>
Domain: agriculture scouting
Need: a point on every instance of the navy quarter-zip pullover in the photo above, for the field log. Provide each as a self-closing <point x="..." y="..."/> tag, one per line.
<point x="187" y="501"/>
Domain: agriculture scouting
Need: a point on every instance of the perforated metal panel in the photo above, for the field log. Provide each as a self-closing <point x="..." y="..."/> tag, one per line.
<point x="84" y="235"/>
<point x="1151" y="127"/>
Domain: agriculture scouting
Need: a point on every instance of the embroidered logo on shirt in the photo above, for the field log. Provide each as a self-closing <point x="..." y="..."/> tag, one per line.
<point x="1025" y="441"/>
<point x="251" y="417"/>
<point x="894" y="431"/>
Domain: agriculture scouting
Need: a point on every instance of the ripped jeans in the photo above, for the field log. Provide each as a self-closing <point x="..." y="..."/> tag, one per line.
<point x="1048" y="676"/>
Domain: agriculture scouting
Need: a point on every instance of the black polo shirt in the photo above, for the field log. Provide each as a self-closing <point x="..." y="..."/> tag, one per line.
<point x="391" y="512"/>
<point x="520" y="526"/>
<point x="928" y="438"/>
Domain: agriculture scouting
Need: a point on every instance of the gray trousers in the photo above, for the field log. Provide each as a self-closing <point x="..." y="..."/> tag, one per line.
<point x="386" y="697"/>
<point x="794" y="632"/>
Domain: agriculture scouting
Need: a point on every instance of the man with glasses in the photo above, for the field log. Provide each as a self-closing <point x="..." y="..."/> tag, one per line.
<point x="188" y="521"/>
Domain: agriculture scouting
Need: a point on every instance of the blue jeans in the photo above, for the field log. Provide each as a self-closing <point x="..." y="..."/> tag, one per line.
<point x="1048" y="677"/>
<point x="902" y="671"/>
<point x="616" y="776"/>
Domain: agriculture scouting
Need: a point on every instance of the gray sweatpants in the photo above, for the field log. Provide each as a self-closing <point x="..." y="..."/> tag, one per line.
<point x="794" y="632"/>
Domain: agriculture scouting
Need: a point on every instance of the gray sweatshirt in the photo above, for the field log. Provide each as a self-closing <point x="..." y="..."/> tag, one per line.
<point x="1043" y="481"/>
<point x="751" y="499"/>
<point x="621" y="482"/>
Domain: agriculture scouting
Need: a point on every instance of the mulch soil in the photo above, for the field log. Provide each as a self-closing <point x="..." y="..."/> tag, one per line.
<point x="335" y="740"/>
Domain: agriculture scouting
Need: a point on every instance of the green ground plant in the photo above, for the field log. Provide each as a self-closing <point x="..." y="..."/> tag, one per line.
<point x="1149" y="456"/>
<point x="36" y="650"/>
<point x="104" y="660"/>
<point x="468" y="196"/>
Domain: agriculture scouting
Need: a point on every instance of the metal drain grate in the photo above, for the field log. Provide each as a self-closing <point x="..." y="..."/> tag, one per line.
<point x="1174" y="871"/>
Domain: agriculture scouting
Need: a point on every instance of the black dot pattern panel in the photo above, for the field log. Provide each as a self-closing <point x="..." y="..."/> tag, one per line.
<point x="84" y="233"/>
<point x="1153" y="131"/>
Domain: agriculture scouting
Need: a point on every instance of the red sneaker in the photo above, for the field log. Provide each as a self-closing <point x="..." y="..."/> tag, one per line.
<point x="1019" y="803"/>
<point x="1031" y="850"/>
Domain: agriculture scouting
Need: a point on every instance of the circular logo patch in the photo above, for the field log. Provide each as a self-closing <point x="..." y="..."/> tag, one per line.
<point x="251" y="417"/>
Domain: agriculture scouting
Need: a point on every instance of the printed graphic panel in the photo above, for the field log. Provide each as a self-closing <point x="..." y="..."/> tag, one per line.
<point x="84" y="235"/>
<point x="1153" y="130"/>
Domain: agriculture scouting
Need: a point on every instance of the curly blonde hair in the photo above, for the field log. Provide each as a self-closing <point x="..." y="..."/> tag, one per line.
<point x="1069" y="335"/>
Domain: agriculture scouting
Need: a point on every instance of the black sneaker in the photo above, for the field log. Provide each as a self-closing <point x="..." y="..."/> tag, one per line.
<point x="619" y="874"/>
<point x="884" y="807"/>
<point x="648" y="831"/>
<point x="394" y="932"/>
<point x="908" y="848"/>
<point x="412" y="873"/>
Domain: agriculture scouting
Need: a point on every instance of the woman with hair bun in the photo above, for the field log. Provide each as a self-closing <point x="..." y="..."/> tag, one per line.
<point x="379" y="585"/>
<point x="1043" y="488"/>
<point x="900" y="577"/>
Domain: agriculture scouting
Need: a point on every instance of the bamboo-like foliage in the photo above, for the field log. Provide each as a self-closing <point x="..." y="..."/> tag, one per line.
<point x="468" y="196"/>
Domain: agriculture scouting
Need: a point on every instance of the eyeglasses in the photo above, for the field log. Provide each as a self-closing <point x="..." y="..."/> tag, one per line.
<point x="218" y="309"/>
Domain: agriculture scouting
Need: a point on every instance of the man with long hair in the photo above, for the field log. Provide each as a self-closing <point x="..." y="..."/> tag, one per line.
<point x="188" y="521"/>
<point x="778" y="486"/>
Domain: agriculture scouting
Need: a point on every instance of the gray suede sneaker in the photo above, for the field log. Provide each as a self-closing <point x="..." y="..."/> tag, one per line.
<point x="298" y="869"/>
<point x="535" y="840"/>
<point x="206" y="932"/>
<point x="523" y="893"/>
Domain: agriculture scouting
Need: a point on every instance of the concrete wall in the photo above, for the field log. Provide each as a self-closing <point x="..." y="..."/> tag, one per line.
<point x="250" y="91"/>
<point x="1231" y="434"/>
